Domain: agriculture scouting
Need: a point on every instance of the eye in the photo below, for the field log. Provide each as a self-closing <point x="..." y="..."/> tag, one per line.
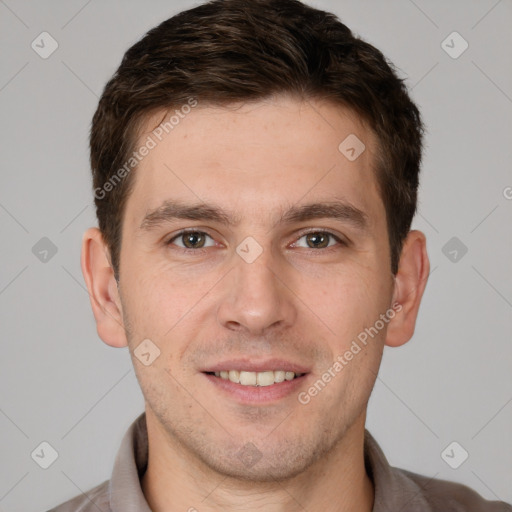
<point x="191" y="239"/>
<point x="319" y="240"/>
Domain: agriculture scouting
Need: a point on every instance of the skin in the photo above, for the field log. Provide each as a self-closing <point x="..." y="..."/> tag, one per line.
<point x="296" y="301"/>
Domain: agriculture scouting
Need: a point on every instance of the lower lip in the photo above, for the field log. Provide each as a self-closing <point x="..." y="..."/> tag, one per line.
<point x="257" y="394"/>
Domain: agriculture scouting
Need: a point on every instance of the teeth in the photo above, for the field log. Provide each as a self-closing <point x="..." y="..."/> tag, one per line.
<point x="248" y="378"/>
<point x="266" y="378"/>
<point x="234" y="376"/>
<point x="279" y="376"/>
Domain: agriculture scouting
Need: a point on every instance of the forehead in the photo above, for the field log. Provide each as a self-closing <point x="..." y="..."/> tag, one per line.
<point x="256" y="157"/>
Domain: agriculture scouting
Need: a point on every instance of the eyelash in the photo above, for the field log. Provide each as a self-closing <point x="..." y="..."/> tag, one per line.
<point x="202" y="250"/>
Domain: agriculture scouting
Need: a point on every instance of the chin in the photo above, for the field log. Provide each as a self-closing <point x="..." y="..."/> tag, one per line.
<point x="269" y="465"/>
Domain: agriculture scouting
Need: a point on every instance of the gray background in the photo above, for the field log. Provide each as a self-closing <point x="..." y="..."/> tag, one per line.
<point x="61" y="384"/>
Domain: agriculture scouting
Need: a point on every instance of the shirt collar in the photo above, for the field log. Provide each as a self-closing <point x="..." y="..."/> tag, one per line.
<point x="130" y="465"/>
<point x="394" y="490"/>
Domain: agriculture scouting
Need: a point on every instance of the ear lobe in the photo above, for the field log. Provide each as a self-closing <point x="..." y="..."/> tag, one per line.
<point x="102" y="286"/>
<point x="410" y="282"/>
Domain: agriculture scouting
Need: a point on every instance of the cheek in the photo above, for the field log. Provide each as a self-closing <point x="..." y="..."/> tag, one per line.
<point x="345" y="300"/>
<point x="156" y="301"/>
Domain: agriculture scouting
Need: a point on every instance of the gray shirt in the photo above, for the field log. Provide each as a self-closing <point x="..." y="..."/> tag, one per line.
<point x="395" y="489"/>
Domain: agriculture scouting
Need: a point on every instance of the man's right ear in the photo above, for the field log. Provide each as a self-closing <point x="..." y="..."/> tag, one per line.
<point x="103" y="291"/>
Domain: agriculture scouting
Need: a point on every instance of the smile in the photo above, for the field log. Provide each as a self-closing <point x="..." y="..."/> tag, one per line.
<point x="265" y="378"/>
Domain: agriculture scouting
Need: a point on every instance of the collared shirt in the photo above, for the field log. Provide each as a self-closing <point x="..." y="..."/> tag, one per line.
<point x="395" y="489"/>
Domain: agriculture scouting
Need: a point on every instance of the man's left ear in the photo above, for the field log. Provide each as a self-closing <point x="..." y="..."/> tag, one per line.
<point x="410" y="282"/>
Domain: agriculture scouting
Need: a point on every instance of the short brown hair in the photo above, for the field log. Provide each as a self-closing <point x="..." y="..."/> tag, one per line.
<point x="227" y="51"/>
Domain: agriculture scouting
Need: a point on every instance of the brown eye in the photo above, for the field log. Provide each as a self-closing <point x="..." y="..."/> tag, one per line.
<point x="193" y="240"/>
<point x="190" y="240"/>
<point x="317" y="240"/>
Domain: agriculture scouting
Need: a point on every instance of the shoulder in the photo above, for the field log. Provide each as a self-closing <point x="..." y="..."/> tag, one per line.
<point x="446" y="496"/>
<point x="95" y="500"/>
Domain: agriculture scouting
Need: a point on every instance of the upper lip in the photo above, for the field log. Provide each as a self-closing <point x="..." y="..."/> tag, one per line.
<point x="247" y="365"/>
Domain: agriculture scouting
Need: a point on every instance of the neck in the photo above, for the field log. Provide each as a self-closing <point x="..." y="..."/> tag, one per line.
<point x="175" y="481"/>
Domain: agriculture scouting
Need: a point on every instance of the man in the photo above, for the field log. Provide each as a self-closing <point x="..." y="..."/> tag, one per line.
<point x="255" y="173"/>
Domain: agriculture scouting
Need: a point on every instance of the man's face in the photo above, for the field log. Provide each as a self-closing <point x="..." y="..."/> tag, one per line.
<point x="267" y="287"/>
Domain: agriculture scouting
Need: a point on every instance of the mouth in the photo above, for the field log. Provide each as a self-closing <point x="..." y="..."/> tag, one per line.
<point x="256" y="379"/>
<point x="253" y="381"/>
<point x="263" y="388"/>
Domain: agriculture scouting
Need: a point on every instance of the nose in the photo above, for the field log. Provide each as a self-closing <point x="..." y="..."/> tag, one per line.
<point x="256" y="297"/>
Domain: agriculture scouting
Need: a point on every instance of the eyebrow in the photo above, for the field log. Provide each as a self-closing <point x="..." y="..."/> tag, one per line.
<point x="171" y="210"/>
